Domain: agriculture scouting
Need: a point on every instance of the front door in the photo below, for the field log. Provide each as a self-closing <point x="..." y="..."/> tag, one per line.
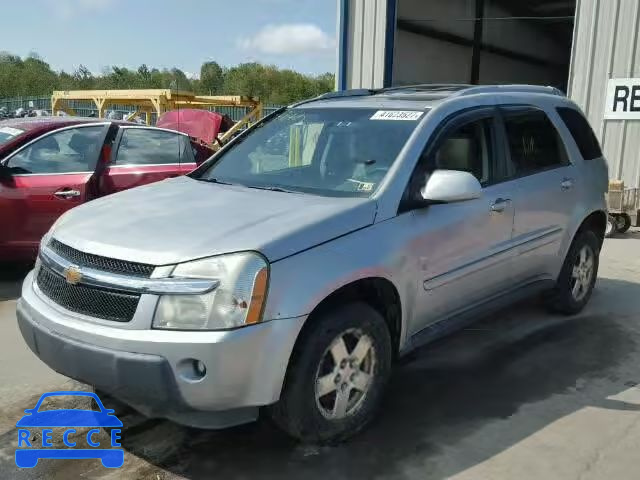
<point x="144" y="155"/>
<point x="49" y="176"/>
<point x="463" y="249"/>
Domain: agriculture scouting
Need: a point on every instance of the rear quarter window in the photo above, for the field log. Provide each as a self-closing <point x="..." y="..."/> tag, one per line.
<point x="581" y="132"/>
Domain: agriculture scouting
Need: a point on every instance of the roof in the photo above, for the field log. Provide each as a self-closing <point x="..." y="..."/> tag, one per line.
<point x="47" y="123"/>
<point x="419" y="96"/>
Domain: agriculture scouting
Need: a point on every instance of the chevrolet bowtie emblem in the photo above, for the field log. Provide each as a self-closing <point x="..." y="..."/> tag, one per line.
<point x="72" y="275"/>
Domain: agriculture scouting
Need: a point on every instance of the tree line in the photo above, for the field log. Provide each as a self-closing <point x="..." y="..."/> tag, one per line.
<point x="32" y="76"/>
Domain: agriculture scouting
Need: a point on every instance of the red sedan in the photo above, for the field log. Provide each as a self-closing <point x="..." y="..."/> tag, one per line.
<point x="51" y="164"/>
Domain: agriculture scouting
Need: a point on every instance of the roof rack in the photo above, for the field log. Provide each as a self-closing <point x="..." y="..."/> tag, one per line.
<point x="355" y="92"/>
<point x="474" y="90"/>
<point x="426" y="87"/>
<point x="456" y="89"/>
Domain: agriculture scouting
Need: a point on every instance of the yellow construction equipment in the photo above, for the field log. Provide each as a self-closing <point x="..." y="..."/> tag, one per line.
<point x="157" y="101"/>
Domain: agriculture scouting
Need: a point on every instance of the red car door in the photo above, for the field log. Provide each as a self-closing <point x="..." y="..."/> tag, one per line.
<point x="144" y="155"/>
<point x="41" y="181"/>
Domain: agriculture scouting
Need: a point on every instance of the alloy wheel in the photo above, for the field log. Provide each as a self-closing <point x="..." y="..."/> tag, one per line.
<point x="582" y="274"/>
<point x="345" y="374"/>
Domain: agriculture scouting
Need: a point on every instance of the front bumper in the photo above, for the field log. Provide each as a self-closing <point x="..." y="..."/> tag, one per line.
<point x="152" y="370"/>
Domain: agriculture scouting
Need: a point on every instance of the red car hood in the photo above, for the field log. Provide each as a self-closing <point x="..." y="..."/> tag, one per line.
<point x="201" y="124"/>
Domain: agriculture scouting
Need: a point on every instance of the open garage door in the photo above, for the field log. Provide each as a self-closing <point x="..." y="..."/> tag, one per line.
<point x="483" y="41"/>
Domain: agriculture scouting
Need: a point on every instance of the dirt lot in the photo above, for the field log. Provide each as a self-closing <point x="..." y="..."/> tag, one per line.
<point x="522" y="395"/>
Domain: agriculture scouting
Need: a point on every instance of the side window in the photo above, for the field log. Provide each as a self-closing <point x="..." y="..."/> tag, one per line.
<point x="66" y="151"/>
<point x="581" y="132"/>
<point x="467" y="148"/>
<point x="188" y="151"/>
<point x="534" y="142"/>
<point x="145" y="146"/>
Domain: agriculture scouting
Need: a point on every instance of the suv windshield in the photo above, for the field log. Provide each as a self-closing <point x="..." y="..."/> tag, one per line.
<point x="323" y="151"/>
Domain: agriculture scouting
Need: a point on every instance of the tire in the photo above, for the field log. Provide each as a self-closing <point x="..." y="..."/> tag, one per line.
<point x="319" y="418"/>
<point x="563" y="298"/>
<point x="624" y="223"/>
<point x="610" y="228"/>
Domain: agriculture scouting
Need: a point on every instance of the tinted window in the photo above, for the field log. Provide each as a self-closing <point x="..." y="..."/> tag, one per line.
<point x="72" y="150"/>
<point x="467" y="148"/>
<point x="325" y="151"/>
<point x="533" y="141"/>
<point x="581" y="132"/>
<point x="144" y="146"/>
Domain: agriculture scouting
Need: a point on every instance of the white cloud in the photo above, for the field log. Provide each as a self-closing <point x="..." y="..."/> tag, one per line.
<point x="192" y="75"/>
<point x="66" y="9"/>
<point x="291" y="38"/>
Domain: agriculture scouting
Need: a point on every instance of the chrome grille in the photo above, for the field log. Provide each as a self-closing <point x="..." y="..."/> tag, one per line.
<point x="100" y="263"/>
<point x="94" y="302"/>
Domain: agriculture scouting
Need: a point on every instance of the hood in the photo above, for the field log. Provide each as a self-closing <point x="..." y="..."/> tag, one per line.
<point x="182" y="219"/>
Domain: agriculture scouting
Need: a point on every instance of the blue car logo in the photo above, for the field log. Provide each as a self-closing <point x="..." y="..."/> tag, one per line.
<point x="112" y="457"/>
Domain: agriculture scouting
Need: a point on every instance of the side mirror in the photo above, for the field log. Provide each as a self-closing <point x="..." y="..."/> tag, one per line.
<point x="446" y="186"/>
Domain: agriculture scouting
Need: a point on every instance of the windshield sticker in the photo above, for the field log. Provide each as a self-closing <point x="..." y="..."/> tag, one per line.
<point x="410" y="115"/>
<point x="362" y="186"/>
<point x="10" y="131"/>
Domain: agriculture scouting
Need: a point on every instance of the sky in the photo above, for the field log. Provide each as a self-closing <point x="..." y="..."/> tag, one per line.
<point x="297" y="34"/>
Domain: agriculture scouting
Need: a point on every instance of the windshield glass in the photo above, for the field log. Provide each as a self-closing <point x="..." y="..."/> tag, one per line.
<point x="330" y="152"/>
<point x="7" y="133"/>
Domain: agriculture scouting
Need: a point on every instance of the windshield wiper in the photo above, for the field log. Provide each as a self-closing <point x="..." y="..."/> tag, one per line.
<point x="214" y="180"/>
<point x="271" y="188"/>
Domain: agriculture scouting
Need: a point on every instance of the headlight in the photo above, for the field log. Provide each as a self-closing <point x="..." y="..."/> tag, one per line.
<point x="237" y="301"/>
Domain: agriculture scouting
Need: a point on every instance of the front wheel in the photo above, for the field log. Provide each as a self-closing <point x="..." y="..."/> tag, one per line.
<point x="578" y="275"/>
<point x="337" y="375"/>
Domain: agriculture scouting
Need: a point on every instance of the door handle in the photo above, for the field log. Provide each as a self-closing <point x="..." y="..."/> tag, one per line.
<point x="67" y="193"/>
<point x="567" y="183"/>
<point x="500" y="205"/>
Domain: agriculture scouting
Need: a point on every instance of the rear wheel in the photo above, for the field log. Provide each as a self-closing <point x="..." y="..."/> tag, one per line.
<point x="623" y="223"/>
<point x="337" y="375"/>
<point x="578" y="275"/>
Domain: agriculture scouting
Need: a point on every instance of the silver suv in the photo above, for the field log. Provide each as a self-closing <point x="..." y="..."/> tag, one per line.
<point x="293" y="268"/>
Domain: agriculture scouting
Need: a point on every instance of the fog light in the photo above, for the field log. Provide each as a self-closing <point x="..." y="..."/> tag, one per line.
<point x="192" y="370"/>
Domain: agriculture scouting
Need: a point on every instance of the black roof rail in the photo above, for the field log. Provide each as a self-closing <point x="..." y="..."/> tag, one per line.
<point x="427" y="87"/>
<point x="355" y="92"/>
<point x="476" y="89"/>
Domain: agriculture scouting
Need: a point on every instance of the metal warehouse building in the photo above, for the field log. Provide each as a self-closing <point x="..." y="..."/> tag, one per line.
<point x="588" y="48"/>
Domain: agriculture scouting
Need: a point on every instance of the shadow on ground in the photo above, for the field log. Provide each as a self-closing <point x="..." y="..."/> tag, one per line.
<point x="11" y="276"/>
<point x="445" y="393"/>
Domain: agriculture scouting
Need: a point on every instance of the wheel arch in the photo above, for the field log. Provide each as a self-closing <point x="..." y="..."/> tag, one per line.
<point x="378" y="292"/>
<point x="596" y="222"/>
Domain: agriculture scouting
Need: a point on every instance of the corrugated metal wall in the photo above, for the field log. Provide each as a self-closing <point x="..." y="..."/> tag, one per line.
<point x="365" y="43"/>
<point x="606" y="41"/>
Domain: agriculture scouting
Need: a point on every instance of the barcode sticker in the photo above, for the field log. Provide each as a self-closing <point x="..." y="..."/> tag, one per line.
<point x="410" y="115"/>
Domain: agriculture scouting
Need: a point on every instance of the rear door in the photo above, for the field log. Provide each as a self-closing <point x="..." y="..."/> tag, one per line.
<point x="49" y="175"/>
<point x="544" y="191"/>
<point x="144" y="155"/>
